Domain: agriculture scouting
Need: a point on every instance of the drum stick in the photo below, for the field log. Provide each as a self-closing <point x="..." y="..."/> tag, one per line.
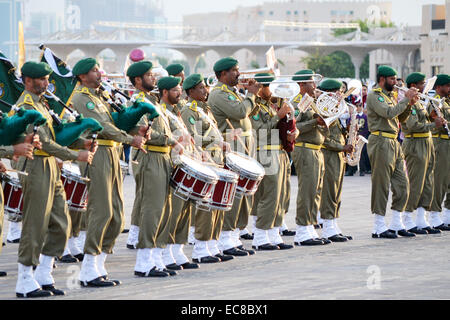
<point x="23" y="173"/>
<point x="85" y="176"/>
<point x="139" y="150"/>
<point x="238" y="137"/>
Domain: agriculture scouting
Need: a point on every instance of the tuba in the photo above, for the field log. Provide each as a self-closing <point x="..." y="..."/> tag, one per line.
<point x="355" y="140"/>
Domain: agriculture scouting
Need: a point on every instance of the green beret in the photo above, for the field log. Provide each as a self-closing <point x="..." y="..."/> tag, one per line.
<point x="84" y="66"/>
<point x="264" y="78"/>
<point x="168" y="83"/>
<point x="415" y="77"/>
<point x="330" y="84"/>
<point x="442" y="80"/>
<point x="138" y="69"/>
<point x="386" y="71"/>
<point x="301" y="75"/>
<point x="225" y="64"/>
<point x="174" y="69"/>
<point x="36" y="70"/>
<point x="192" y="81"/>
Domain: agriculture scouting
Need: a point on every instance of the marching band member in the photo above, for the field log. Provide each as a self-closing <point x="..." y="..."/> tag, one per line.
<point x="177" y="70"/>
<point x="208" y="224"/>
<point x="442" y="168"/>
<point x="309" y="165"/>
<point x="268" y="202"/>
<point x="105" y="204"/>
<point x="334" y="149"/>
<point x="45" y="225"/>
<point x="419" y="155"/>
<point x="385" y="153"/>
<point x="227" y="104"/>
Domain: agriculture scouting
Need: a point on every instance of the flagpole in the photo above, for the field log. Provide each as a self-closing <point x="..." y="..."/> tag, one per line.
<point x="22" y="57"/>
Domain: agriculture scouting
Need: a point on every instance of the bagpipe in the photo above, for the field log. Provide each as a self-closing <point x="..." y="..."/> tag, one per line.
<point x="12" y="127"/>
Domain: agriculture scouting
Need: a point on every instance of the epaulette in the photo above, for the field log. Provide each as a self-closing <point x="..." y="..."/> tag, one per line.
<point x="192" y="105"/>
<point x="298" y="98"/>
<point x="379" y="90"/>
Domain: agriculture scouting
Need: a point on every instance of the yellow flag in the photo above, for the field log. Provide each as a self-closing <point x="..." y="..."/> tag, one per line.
<point x="21" y="46"/>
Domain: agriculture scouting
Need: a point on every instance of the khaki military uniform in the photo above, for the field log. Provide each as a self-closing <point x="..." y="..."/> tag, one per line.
<point x="334" y="172"/>
<point x="5" y="152"/>
<point x="45" y="224"/>
<point x="105" y="216"/>
<point x="226" y="103"/>
<point x="419" y="155"/>
<point x="309" y="165"/>
<point x="268" y="199"/>
<point x="385" y="153"/>
<point x="441" y="143"/>
<point x="153" y="198"/>
<point x="208" y="224"/>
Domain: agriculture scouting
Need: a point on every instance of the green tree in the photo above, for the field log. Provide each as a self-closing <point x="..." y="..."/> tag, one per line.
<point x="164" y="62"/>
<point x="335" y="65"/>
<point x="201" y="63"/>
<point x="363" y="26"/>
<point x="254" y="64"/>
<point x="364" y="70"/>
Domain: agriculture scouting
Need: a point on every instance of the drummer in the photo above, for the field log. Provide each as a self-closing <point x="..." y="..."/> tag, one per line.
<point x="208" y="224"/>
<point x="45" y="222"/>
<point x="179" y="219"/>
<point x="229" y="107"/>
<point x="269" y="206"/>
<point x="24" y="149"/>
<point x="153" y="176"/>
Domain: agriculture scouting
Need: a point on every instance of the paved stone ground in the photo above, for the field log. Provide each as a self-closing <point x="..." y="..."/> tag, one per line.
<point x="364" y="268"/>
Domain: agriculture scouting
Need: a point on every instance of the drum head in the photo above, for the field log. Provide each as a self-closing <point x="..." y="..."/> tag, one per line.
<point x="12" y="178"/>
<point x="225" y="175"/>
<point x="239" y="162"/>
<point x="197" y="168"/>
<point x="72" y="168"/>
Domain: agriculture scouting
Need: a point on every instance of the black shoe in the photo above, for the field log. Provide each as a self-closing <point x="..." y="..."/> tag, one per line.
<point x="337" y="238"/>
<point x="38" y="293"/>
<point x="247" y="236"/>
<point x="416" y="230"/>
<point x="348" y="237"/>
<point x="174" y="266"/>
<point x="189" y="265"/>
<point x="236" y="252"/>
<point x="250" y="252"/>
<point x="131" y="246"/>
<point x="170" y="272"/>
<point x="310" y="242"/>
<point x="318" y="226"/>
<point x="52" y="289"/>
<point x="154" y="273"/>
<point x="209" y="259"/>
<point x="361" y="174"/>
<point x="369" y="172"/>
<point x="3" y="274"/>
<point x="223" y="257"/>
<point x="68" y="258"/>
<point x="97" y="283"/>
<point x="288" y="233"/>
<point x="348" y="174"/>
<point x="13" y="241"/>
<point x="386" y="235"/>
<point x="403" y="233"/>
<point x="431" y="230"/>
<point x="106" y="278"/>
<point x="325" y="241"/>
<point x="266" y="247"/>
<point x="284" y="246"/>
<point x="126" y="230"/>
<point x="442" y="227"/>
<point x="79" y="256"/>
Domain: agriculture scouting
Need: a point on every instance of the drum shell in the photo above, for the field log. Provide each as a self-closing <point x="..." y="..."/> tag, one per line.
<point x="76" y="191"/>
<point x="191" y="185"/>
<point x="13" y="196"/>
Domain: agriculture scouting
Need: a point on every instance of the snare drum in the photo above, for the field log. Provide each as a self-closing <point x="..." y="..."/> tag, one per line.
<point x="75" y="187"/>
<point x="193" y="180"/>
<point x="249" y="170"/>
<point x="12" y="190"/>
<point x="223" y="192"/>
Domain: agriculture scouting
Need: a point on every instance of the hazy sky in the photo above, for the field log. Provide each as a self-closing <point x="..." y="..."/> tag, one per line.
<point x="403" y="11"/>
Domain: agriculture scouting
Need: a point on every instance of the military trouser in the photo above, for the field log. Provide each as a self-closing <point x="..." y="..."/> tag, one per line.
<point x="180" y="220"/>
<point x="46" y="223"/>
<point x="208" y="224"/>
<point x="1" y="219"/>
<point x="136" y="212"/>
<point x="388" y="170"/>
<point x="286" y="191"/>
<point x="105" y="216"/>
<point x="76" y="218"/>
<point x="447" y="199"/>
<point x="441" y="172"/>
<point x="419" y="156"/>
<point x="268" y="196"/>
<point x="310" y="169"/>
<point x="333" y="178"/>
<point x="155" y="199"/>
